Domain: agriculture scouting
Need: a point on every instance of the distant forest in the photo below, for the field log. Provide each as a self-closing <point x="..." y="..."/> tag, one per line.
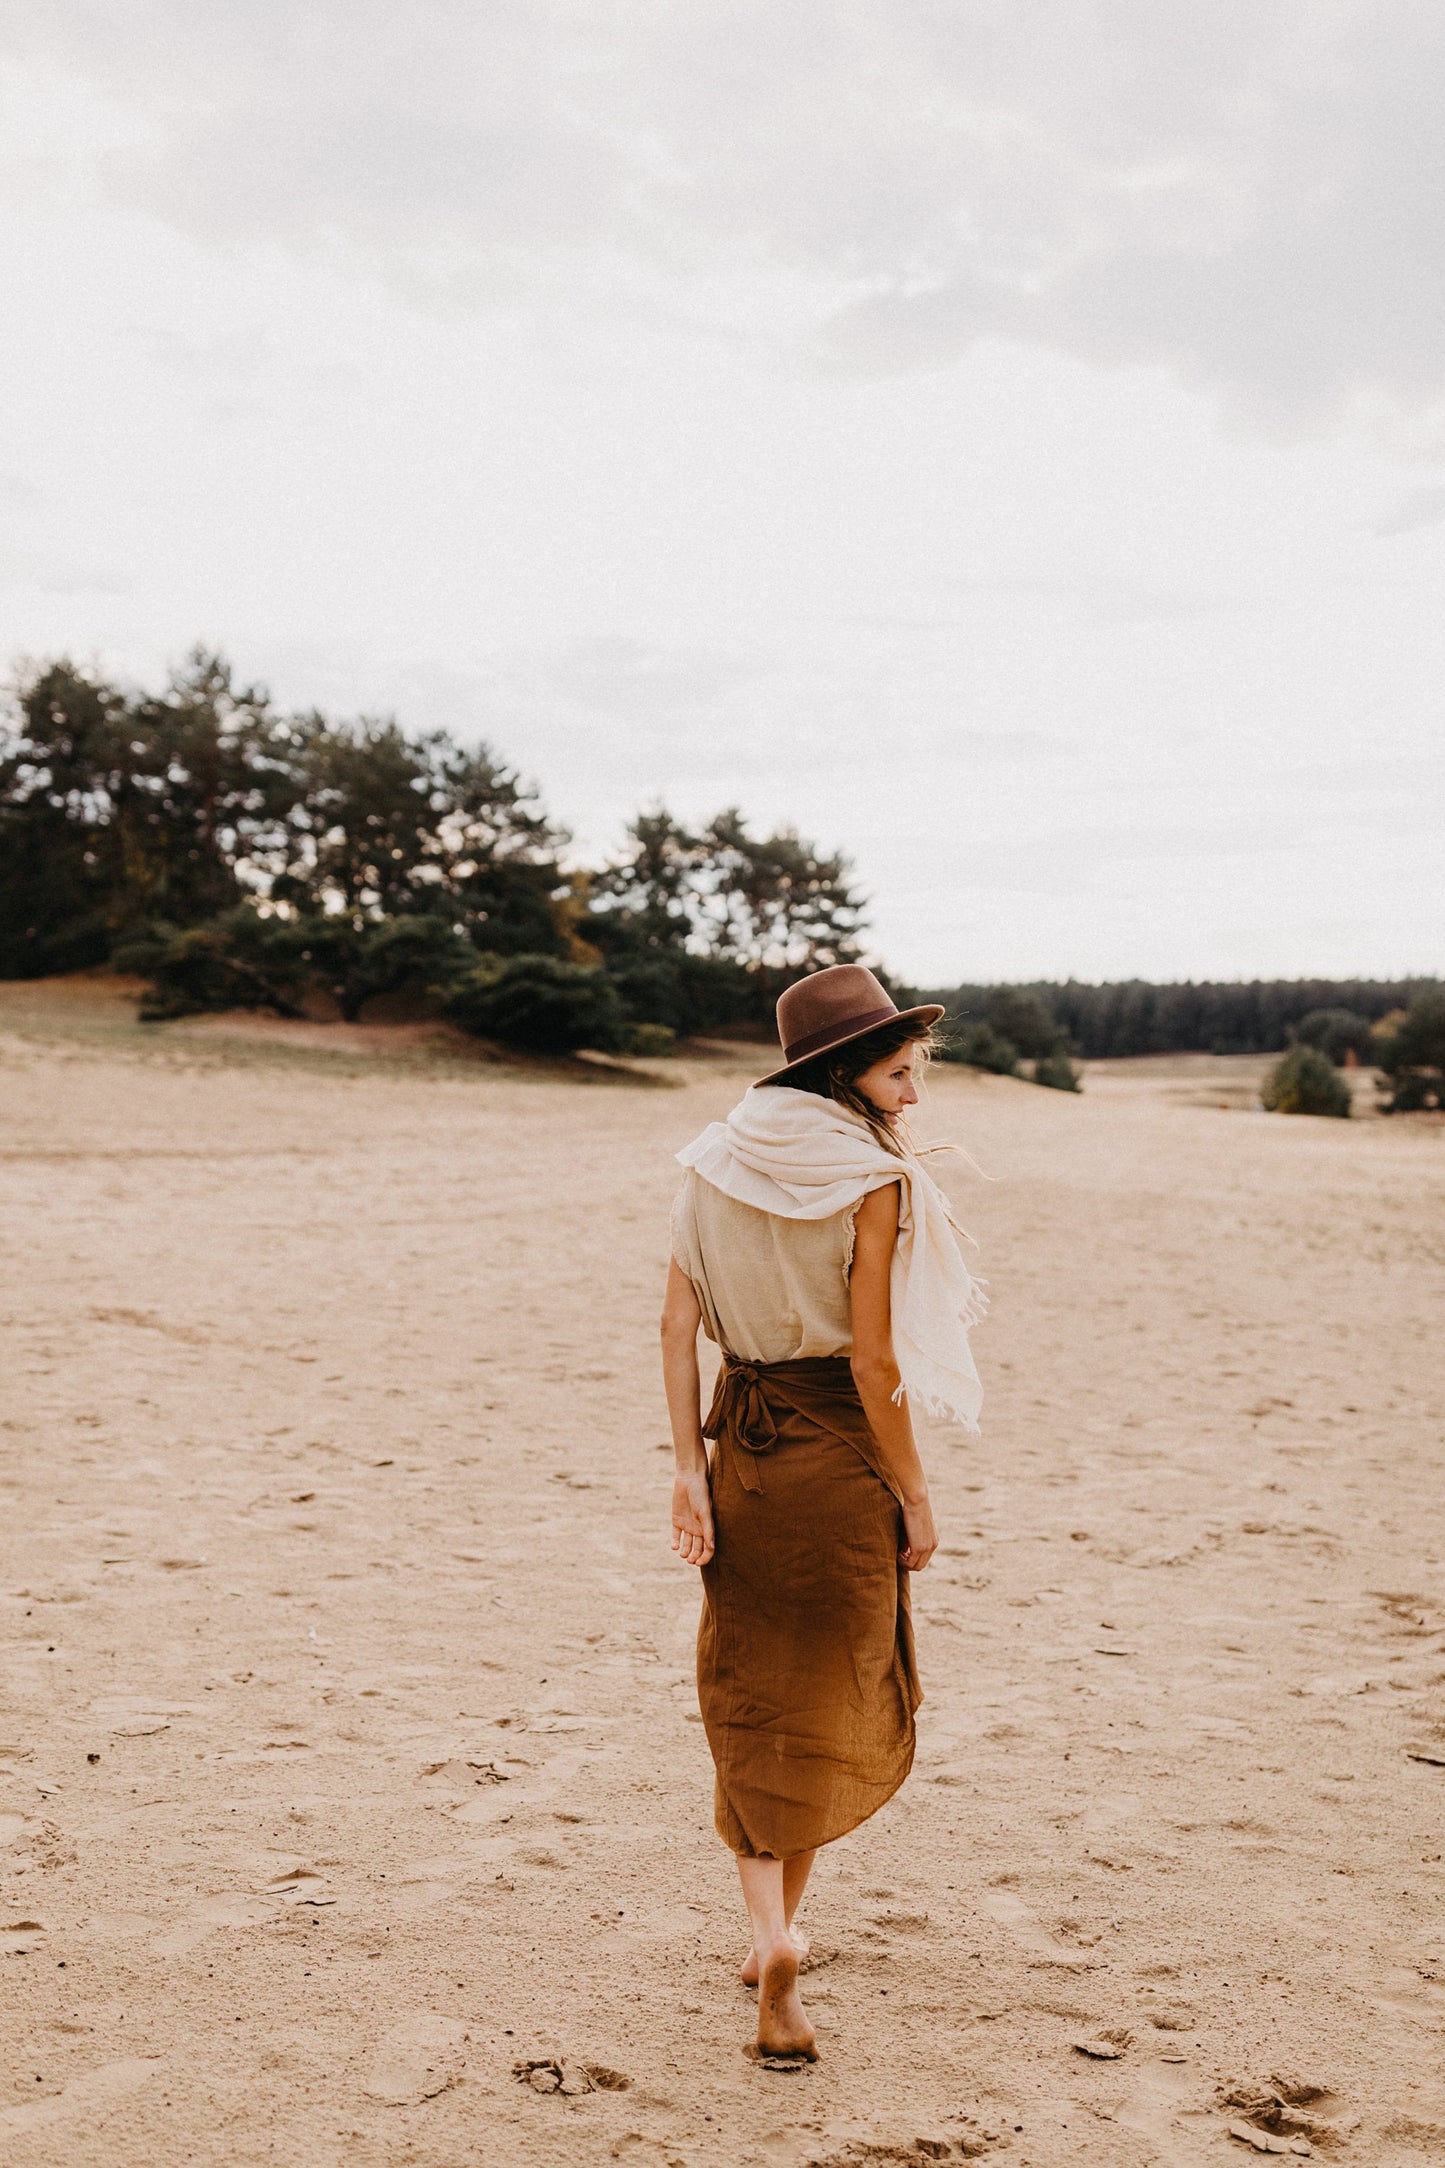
<point x="1205" y="1016"/>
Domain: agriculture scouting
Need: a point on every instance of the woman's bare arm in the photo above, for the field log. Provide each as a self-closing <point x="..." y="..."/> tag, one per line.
<point x="692" y="1532"/>
<point x="875" y="1369"/>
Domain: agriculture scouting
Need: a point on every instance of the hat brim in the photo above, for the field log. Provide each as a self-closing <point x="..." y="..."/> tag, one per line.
<point x="928" y="1012"/>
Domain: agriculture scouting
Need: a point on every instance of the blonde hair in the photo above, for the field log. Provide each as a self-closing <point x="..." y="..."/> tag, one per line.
<point x="834" y="1075"/>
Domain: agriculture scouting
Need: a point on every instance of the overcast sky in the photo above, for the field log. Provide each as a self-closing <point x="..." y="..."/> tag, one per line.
<point x="1005" y="440"/>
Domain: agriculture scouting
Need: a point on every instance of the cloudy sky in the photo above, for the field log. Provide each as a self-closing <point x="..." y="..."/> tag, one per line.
<point x="1006" y="440"/>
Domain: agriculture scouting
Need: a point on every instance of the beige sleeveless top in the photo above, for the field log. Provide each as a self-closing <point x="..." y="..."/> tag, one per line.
<point x="772" y="1290"/>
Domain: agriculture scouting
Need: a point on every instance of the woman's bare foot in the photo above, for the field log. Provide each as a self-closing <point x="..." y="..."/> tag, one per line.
<point x="750" y="1963"/>
<point x="783" y="2027"/>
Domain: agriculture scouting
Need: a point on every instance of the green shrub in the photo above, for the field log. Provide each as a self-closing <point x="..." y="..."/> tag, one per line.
<point x="1419" y="1091"/>
<point x="1413" y="1057"/>
<point x="243" y="960"/>
<point x="689" y="994"/>
<point x="352" y="960"/>
<point x="1057" y="1073"/>
<point x="237" y="961"/>
<point x="540" y="1003"/>
<point x="1335" y="1033"/>
<point x="979" y="1046"/>
<point x="1305" y="1082"/>
<point x="651" y="1040"/>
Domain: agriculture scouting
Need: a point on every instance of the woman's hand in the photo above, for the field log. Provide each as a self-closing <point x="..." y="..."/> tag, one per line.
<point x="692" y="1536"/>
<point x="691" y="1500"/>
<point x="920" y="1537"/>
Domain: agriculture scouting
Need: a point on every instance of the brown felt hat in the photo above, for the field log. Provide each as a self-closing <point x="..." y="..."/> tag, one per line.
<point x="831" y="1007"/>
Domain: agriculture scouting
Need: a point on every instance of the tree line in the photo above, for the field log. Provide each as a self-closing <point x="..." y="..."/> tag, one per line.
<point x="1317" y="1026"/>
<point x="235" y="854"/>
<point x="1133" y="1016"/>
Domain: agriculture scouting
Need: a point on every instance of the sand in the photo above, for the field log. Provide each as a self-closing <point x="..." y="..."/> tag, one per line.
<point x="351" y="1757"/>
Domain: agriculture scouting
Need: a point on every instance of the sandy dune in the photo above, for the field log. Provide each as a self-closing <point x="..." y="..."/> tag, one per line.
<point x="351" y="1756"/>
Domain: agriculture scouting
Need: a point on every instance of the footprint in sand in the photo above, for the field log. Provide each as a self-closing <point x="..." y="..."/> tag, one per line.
<point x="422" y="2056"/>
<point x="205" y="1918"/>
<point x="1104" y="2047"/>
<point x="1030" y="1932"/>
<point x="300" y="1885"/>
<point x="1158" y="2106"/>
<point x="1282" y="2114"/>
<point x="563" y="2074"/>
<point x="785" y="2065"/>
<point x="1169" y="2017"/>
<point x="901" y="1923"/>
<point x="974" y="2143"/>
<point x="1263" y="2141"/>
<point x="92" y="2093"/>
<point x="462" y="1774"/>
<point x="133" y="1716"/>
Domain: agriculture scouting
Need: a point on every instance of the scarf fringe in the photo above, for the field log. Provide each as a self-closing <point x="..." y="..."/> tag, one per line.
<point x="935" y="1404"/>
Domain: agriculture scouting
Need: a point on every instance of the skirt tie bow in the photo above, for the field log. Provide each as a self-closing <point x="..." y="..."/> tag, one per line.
<point x="743" y="1417"/>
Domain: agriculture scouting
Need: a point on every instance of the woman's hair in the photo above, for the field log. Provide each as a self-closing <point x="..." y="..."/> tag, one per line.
<point x="835" y="1075"/>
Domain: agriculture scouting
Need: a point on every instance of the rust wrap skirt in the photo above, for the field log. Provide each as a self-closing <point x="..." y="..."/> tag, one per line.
<point x="805" y="1665"/>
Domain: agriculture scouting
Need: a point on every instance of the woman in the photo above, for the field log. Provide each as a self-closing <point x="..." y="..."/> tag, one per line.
<point x="813" y="1247"/>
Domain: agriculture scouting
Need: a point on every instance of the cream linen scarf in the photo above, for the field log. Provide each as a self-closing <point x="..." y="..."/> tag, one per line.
<point x="803" y="1157"/>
